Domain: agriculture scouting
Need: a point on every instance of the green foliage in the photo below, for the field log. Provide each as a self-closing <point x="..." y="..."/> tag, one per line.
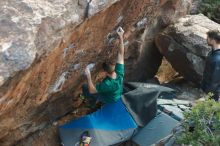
<point x="202" y="125"/>
<point x="208" y="7"/>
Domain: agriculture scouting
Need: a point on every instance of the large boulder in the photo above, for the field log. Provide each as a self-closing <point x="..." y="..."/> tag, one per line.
<point x="184" y="45"/>
<point x="45" y="46"/>
<point x="143" y="58"/>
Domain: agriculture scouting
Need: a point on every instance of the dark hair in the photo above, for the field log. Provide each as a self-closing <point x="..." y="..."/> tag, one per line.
<point x="214" y="34"/>
<point x="109" y="67"/>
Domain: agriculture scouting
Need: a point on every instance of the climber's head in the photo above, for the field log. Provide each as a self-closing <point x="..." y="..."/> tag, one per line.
<point x="213" y="38"/>
<point x="108" y="67"/>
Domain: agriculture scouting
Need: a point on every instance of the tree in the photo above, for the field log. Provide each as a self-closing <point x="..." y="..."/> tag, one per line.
<point x="201" y="126"/>
<point x="211" y="9"/>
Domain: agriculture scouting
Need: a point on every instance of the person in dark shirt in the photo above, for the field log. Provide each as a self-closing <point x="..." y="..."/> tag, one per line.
<point x="211" y="75"/>
<point x="110" y="89"/>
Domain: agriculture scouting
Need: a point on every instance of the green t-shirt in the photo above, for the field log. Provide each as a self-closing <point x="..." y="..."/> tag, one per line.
<point x="111" y="89"/>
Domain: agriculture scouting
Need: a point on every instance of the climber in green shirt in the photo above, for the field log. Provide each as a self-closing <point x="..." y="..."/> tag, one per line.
<point x="110" y="89"/>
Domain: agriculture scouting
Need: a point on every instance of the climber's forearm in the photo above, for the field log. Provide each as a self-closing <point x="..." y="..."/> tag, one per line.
<point x="120" y="58"/>
<point x="91" y="86"/>
<point x="122" y="49"/>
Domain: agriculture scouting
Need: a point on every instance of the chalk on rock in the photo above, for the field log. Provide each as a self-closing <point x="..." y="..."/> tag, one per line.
<point x="64" y="52"/>
<point x="142" y="23"/>
<point x="119" y="19"/>
<point x="102" y="3"/>
<point x="76" y="66"/>
<point x="71" y="46"/>
<point x="58" y="84"/>
<point x="110" y="38"/>
<point x="126" y="43"/>
<point x="90" y="66"/>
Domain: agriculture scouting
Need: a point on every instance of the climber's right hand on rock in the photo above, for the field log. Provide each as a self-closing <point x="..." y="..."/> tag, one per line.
<point x="120" y="32"/>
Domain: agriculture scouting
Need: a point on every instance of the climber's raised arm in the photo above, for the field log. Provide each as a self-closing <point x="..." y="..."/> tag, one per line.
<point x="91" y="86"/>
<point x="120" y="58"/>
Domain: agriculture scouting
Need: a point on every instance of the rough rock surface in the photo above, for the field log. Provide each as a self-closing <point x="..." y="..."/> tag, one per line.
<point x="184" y="45"/>
<point x="31" y="28"/>
<point x="143" y="58"/>
<point x="45" y="46"/>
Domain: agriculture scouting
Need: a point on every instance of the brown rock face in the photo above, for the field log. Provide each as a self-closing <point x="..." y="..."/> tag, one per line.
<point x="45" y="46"/>
<point x="184" y="45"/>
